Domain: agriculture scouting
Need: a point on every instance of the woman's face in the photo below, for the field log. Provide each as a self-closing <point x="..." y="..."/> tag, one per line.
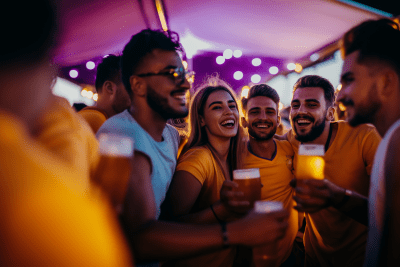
<point x="221" y="115"/>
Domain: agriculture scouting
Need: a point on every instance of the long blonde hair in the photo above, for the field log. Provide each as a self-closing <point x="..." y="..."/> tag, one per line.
<point x="197" y="133"/>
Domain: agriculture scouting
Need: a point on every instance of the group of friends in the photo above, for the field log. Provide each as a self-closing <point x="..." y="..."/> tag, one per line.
<point x="181" y="206"/>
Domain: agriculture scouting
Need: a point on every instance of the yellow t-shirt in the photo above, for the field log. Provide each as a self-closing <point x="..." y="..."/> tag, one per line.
<point x="95" y="117"/>
<point x="45" y="220"/>
<point x="68" y="137"/>
<point x="331" y="238"/>
<point x="276" y="173"/>
<point x="200" y="162"/>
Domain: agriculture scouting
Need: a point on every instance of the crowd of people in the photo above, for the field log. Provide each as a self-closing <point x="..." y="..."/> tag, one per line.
<point x="179" y="204"/>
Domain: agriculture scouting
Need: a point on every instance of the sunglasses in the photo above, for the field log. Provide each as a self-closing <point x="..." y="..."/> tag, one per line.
<point x="178" y="75"/>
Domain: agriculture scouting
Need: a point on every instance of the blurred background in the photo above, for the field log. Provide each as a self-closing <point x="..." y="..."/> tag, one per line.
<point x="245" y="41"/>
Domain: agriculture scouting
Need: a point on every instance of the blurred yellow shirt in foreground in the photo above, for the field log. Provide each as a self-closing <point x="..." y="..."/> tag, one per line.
<point x="45" y="219"/>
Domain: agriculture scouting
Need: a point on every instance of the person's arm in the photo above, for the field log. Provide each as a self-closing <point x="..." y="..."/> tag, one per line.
<point x="392" y="176"/>
<point x="153" y="240"/>
<point x="313" y="195"/>
<point x="183" y="193"/>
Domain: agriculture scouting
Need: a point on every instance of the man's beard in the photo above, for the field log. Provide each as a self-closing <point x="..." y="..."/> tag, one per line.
<point x="258" y="137"/>
<point x="161" y="106"/>
<point x="315" y="132"/>
<point x="365" y="113"/>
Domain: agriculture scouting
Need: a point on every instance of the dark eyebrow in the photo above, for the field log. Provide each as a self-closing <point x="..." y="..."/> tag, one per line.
<point x="312" y="100"/>
<point x="346" y="76"/>
<point x="255" y="108"/>
<point x="231" y="101"/>
<point x="215" y="102"/>
<point x="295" y="101"/>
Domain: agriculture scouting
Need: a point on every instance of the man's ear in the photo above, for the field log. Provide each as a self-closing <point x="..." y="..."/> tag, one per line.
<point x="138" y="85"/>
<point x="330" y="114"/>
<point x="109" y="87"/>
<point x="244" y="122"/>
<point x="387" y="83"/>
<point x="279" y="120"/>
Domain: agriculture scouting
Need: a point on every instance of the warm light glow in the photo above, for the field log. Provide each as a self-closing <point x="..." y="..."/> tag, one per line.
<point x="220" y="60"/>
<point x="95" y="97"/>
<point x="237" y="53"/>
<point x="273" y="70"/>
<point x="256" y="78"/>
<point x="298" y="68"/>
<point x="89" y="94"/>
<point x="342" y="107"/>
<point x="185" y="64"/>
<point x="339" y="87"/>
<point x="314" y="57"/>
<point x="84" y="92"/>
<point x="161" y="16"/>
<point x="90" y="65"/>
<point x="228" y="53"/>
<point x="245" y="91"/>
<point x="73" y="73"/>
<point x="256" y="62"/>
<point x="238" y="75"/>
<point x="291" y="66"/>
<point x="281" y="106"/>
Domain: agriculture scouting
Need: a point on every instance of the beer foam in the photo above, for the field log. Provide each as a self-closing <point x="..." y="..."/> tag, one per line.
<point x="246" y="174"/>
<point x="115" y="145"/>
<point x="312" y="150"/>
<point x="263" y="206"/>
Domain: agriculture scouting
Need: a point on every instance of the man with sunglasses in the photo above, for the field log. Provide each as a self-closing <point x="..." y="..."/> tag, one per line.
<point x="157" y="83"/>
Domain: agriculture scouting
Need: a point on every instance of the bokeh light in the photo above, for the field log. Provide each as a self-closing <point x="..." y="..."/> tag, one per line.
<point x="256" y="62"/>
<point x="73" y="74"/>
<point x="185" y="64"/>
<point x="95" y="97"/>
<point x="237" y="53"/>
<point x="238" y="75"/>
<point x="314" y="57"/>
<point x="273" y="70"/>
<point x="291" y="66"/>
<point x="298" y="68"/>
<point x="220" y="60"/>
<point x="90" y="65"/>
<point x="256" y="78"/>
<point x="228" y="53"/>
<point x="245" y="91"/>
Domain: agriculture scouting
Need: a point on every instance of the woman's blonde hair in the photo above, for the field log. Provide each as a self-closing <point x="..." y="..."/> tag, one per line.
<point x="197" y="133"/>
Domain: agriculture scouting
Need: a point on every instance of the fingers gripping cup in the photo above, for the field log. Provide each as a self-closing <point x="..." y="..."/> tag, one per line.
<point x="310" y="162"/>
<point x="249" y="182"/>
<point x="266" y="255"/>
<point x="114" y="168"/>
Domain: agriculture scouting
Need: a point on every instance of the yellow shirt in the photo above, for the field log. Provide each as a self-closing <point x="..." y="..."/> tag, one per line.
<point x="95" y="117"/>
<point x="200" y="162"/>
<point x="45" y="220"/>
<point x="276" y="173"/>
<point x="331" y="238"/>
<point x="69" y="138"/>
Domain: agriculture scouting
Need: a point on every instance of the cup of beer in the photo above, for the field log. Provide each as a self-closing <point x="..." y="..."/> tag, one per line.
<point x="310" y="162"/>
<point x="114" y="168"/>
<point x="266" y="255"/>
<point x="249" y="182"/>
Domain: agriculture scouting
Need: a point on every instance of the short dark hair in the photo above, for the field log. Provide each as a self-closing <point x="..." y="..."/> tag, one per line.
<point x="261" y="90"/>
<point x="317" y="81"/>
<point x="108" y="70"/>
<point x="374" y="39"/>
<point x="142" y="44"/>
<point x="29" y="31"/>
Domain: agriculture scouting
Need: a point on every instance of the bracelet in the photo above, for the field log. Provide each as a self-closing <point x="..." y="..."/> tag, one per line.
<point x="346" y="198"/>
<point x="223" y="228"/>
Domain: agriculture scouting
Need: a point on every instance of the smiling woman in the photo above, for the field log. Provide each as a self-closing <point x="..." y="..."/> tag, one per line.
<point x="211" y="154"/>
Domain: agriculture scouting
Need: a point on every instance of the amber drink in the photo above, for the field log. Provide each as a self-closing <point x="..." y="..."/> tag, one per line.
<point x="114" y="167"/>
<point x="310" y="162"/>
<point x="249" y="182"/>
